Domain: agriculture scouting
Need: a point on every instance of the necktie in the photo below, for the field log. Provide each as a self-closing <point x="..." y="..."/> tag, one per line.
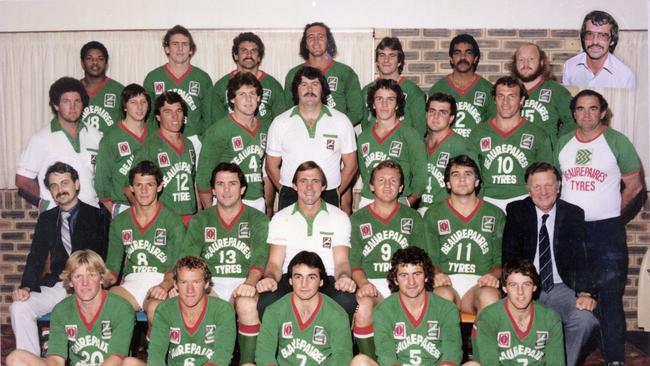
<point x="545" y="263"/>
<point x="65" y="231"/>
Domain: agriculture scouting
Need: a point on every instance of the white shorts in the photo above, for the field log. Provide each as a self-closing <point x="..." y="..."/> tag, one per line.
<point x="258" y="204"/>
<point x="502" y="203"/>
<point x="118" y="208"/>
<point x="422" y="211"/>
<point x="463" y="282"/>
<point x="223" y="287"/>
<point x="138" y="284"/>
<point x="382" y="286"/>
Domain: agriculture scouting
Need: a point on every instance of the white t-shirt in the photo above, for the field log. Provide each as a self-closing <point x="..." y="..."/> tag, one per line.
<point x="331" y="136"/>
<point x="51" y="144"/>
<point x="330" y="227"/>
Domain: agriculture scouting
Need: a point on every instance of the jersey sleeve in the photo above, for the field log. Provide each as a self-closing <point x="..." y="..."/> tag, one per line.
<point x="115" y="255"/>
<point x="418" y="234"/>
<point x="431" y="234"/>
<point x="267" y="340"/>
<point x="176" y="232"/>
<point x="497" y="242"/>
<point x="58" y="340"/>
<point x="567" y="123"/>
<point x="193" y="242"/>
<point x="626" y="156"/>
<point x="159" y="337"/>
<point x="124" y="320"/>
<point x="104" y="170"/>
<point x="353" y="97"/>
<point x="490" y="110"/>
<point x="418" y="154"/>
<point x="205" y="104"/>
<point x="366" y="116"/>
<point x="385" y="347"/>
<point x="363" y="169"/>
<point x="486" y="350"/>
<point x="288" y="96"/>
<point x="544" y="148"/>
<point x="147" y="84"/>
<point x="217" y="106"/>
<point x="554" y="352"/>
<point x="341" y="339"/>
<point x="209" y="157"/>
<point x="342" y="234"/>
<point x="416" y="106"/>
<point x="30" y="159"/>
<point x="259" y="234"/>
<point x="225" y="335"/>
<point x="349" y="139"/>
<point x="450" y="329"/>
<point x="274" y="139"/>
<point x="278" y="103"/>
<point x="356" y="244"/>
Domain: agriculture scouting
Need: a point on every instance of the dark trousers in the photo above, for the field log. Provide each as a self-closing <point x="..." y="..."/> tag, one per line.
<point x="347" y="300"/>
<point x="607" y="253"/>
<point x="289" y="196"/>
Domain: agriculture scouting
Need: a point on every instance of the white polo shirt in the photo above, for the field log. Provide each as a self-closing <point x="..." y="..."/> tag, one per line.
<point x="614" y="74"/>
<point x="331" y="136"/>
<point x="52" y="144"/>
<point x="330" y="227"/>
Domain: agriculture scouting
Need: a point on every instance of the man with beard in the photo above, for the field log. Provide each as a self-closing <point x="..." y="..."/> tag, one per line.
<point x="103" y="110"/>
<point x="597" y="66"/>
<point x="389" y="58"/>
<point x="548" y="101"/>
<point x="471" y="91"/>
<point x="70" y="226"/>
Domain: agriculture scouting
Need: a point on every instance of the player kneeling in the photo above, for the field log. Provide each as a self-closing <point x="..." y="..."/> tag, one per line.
<point x="517" y="330"/>
<point x="91" y="327"/>
<point x="305" y="327"/>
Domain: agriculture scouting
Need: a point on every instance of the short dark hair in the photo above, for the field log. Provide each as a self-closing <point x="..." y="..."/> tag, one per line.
<point x="466" y="38"/>
<point x="230" y="168"/>
<point x="310" y="259"/>
<point x="386" y="84"/>
<point x="510" y="82"/>
<point x="146" y="167"/>
<point x="387" y="164"/>
<point x="179" y="29"/>
<point x="61" y="168"/>
<point x="600" y="18"/>
<point x="394" y="44"/>
<point x="247" y="37"/>
<point x="310" y="73"/>
<point x="443" y="98"/>
<point x="331" y="44"/>
<point x="93" y="45"/>
<point x="540" y="167"/>
<point x="309" y="165"/>
<point x="410" y="255"/>
<point x="169" y="97"/>
<point x="463" y="160"/>
<point x="192" y="263"/>
<point x="64" y="85"/>
<point x="132" y="91"/>
<point x="521" y="266"/>
<point x="589" y="93"/>
<point x="237" y="81"/>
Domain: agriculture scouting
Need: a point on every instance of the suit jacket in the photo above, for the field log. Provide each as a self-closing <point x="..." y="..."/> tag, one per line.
<point x="90" y="232"/>
<point x="569" y="248"/>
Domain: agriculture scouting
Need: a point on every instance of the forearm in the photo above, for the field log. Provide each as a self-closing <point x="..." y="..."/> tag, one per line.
<point x="273" y="170"/>
<point x="254" y="275"/>
<point x="28" y="188"/>
<point x="347" y="174"/>
<point x="54" y="360"/>
<point x="630" y="192"/>
<point x="205" y="198"/>
<point x="359" y="277"/>
<point x="272" y="271"/>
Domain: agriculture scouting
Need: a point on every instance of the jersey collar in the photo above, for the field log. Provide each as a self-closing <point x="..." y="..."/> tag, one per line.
<point x="55" y="126"/>
<point x="310" y="221"/>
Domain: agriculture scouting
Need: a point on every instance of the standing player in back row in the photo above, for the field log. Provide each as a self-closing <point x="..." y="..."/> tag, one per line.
<point x="464" y="236"/>
<point x="508" y="144"/>
<point x="389" y="58"/>
<point x="471" y="91"/>
<point x="231" y="237"/>
<point x="238" y="138"/>
<point x="378" y="231"/>
<point x="174" y="154"/>
<point x="180" y="76"/>
<point x="103" y="110"/>
<point x="547" y="104"/>
<point x="390" y="138"/>
<point x="442" y="145"/>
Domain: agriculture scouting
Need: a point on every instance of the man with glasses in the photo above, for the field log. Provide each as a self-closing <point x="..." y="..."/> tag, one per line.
<point x="597" y="66"/>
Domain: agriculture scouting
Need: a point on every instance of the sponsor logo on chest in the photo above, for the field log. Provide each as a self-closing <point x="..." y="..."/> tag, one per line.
<point x="163" y="160"/>
<point x="194" y="88"/>
<point x="526" y="141"/>
<point x="366" y="230"/>
<point x="503" y="339"/>
<point x="210" y="234"/>
<point x="209" y="333"/>
<point x="319" y="336"/>
<point x="584" y="156"/>
<point x="107" y="330"/>
<point x="237" y="143"/>
<point x="406" y="225"/>
<point x="109" y="100"/>
<point x="127" y="237"/>
<point x="333" y="83"/>
<point x="433" y="330"/>
<point x="160" y="236"/>
<point x="174" y="335"/>
<point x="395" y="149"/>
<point x="399" y="330"/>
<point x="486" y="144"/>
<point x="541" y="337"/>
<point x="443" y="159"/>
<point x="545" y="95"/>
<point x="444" y="227"/>
<point x="287" y="330"/>
<point x="71" y="331"/>
<point x="479" y="98"/>
<point x="487" y="223"/>
<point x="124" y="148"/>
<point x="159" y="87"/>
<point x="244" y="231"/>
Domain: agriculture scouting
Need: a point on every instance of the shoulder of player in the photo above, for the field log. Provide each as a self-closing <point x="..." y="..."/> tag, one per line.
<point x="90" y="133"/>
<point x="613" y="136"/>
<point x="440" y="305"/>
<point x="270" y="81"/>
<point x="340" y="118"/>
<point x="409" y="212"/>
<point x="483" y="82"/>
<point x="153" y="74"/>
<point x="253" y="215"/>
<point x="545" y="313"/>
<point x="336" y="213"/>
<point x="491" y="311"/>
<point x="222" y="83"/>
<point x="218" y="306"/>
<point x="218" y="128"/>
<point x="488" y="208"/>
<point x="281" y="216"/>
<point x="386" y="307"/>
<point x="340" y="67"/>
<point x="359" y="215"/>
<point x="282" y="308"/>
<point x="114" y="84"/>
<point x="63" y="307"/>
<point x="284" y="118"/>
<point x="198" y="72"/>
<point x="330" y="309"/>
<point x="169" y="216"/>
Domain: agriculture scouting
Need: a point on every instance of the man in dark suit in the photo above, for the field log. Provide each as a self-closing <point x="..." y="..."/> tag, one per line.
<point x="70" y="226"/>
<point x="551" y="233"/>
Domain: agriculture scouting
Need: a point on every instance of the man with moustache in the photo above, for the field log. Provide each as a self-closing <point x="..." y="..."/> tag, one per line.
<point x="70" y="226"/>
<point x="471" y="91"/>
<point x="548" y="101"/>
<point x="597" y="66"/>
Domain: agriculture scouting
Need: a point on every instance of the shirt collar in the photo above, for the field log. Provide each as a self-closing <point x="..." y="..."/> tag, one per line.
<point x="323" y="207"/>
<point x="551" y="213"/>
<point x="323" y="110"/>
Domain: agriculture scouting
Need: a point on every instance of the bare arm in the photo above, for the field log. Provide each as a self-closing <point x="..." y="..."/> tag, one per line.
<point x="273" y="169"/>
<point x="205" y="199"/>
<point x="633" y="185"/>
<point x="247" y="288"/>
<point x="54" y="360"/>
<point x="348" y="171"/>
<point x="29" y="188"/>
<point x="342" y="269"/>
<point x="129" y="196"/>
<point x="273" y="271"/>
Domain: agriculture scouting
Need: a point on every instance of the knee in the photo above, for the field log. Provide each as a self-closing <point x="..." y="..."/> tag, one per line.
<point x="584" y="319"/>
<point x="20" y="308"/>
<point x="362" y="360"/>
<point x="18" y="358"/>
<point x="486" y="296"/>
<point x="446" y="292"/>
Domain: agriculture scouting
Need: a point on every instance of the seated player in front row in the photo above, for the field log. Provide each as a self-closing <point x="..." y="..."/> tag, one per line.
<point x="231" y="237"/>
<point x="517" y="330"/>
<point x="92" y="326"/>
<point x="305" y="327"/>
<point x="464" y="240"/>
<point x="147" y="238"/>
<point x="414" y="326"/>
<point x="378" y="231"/>
<point x="191" y="328"/>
